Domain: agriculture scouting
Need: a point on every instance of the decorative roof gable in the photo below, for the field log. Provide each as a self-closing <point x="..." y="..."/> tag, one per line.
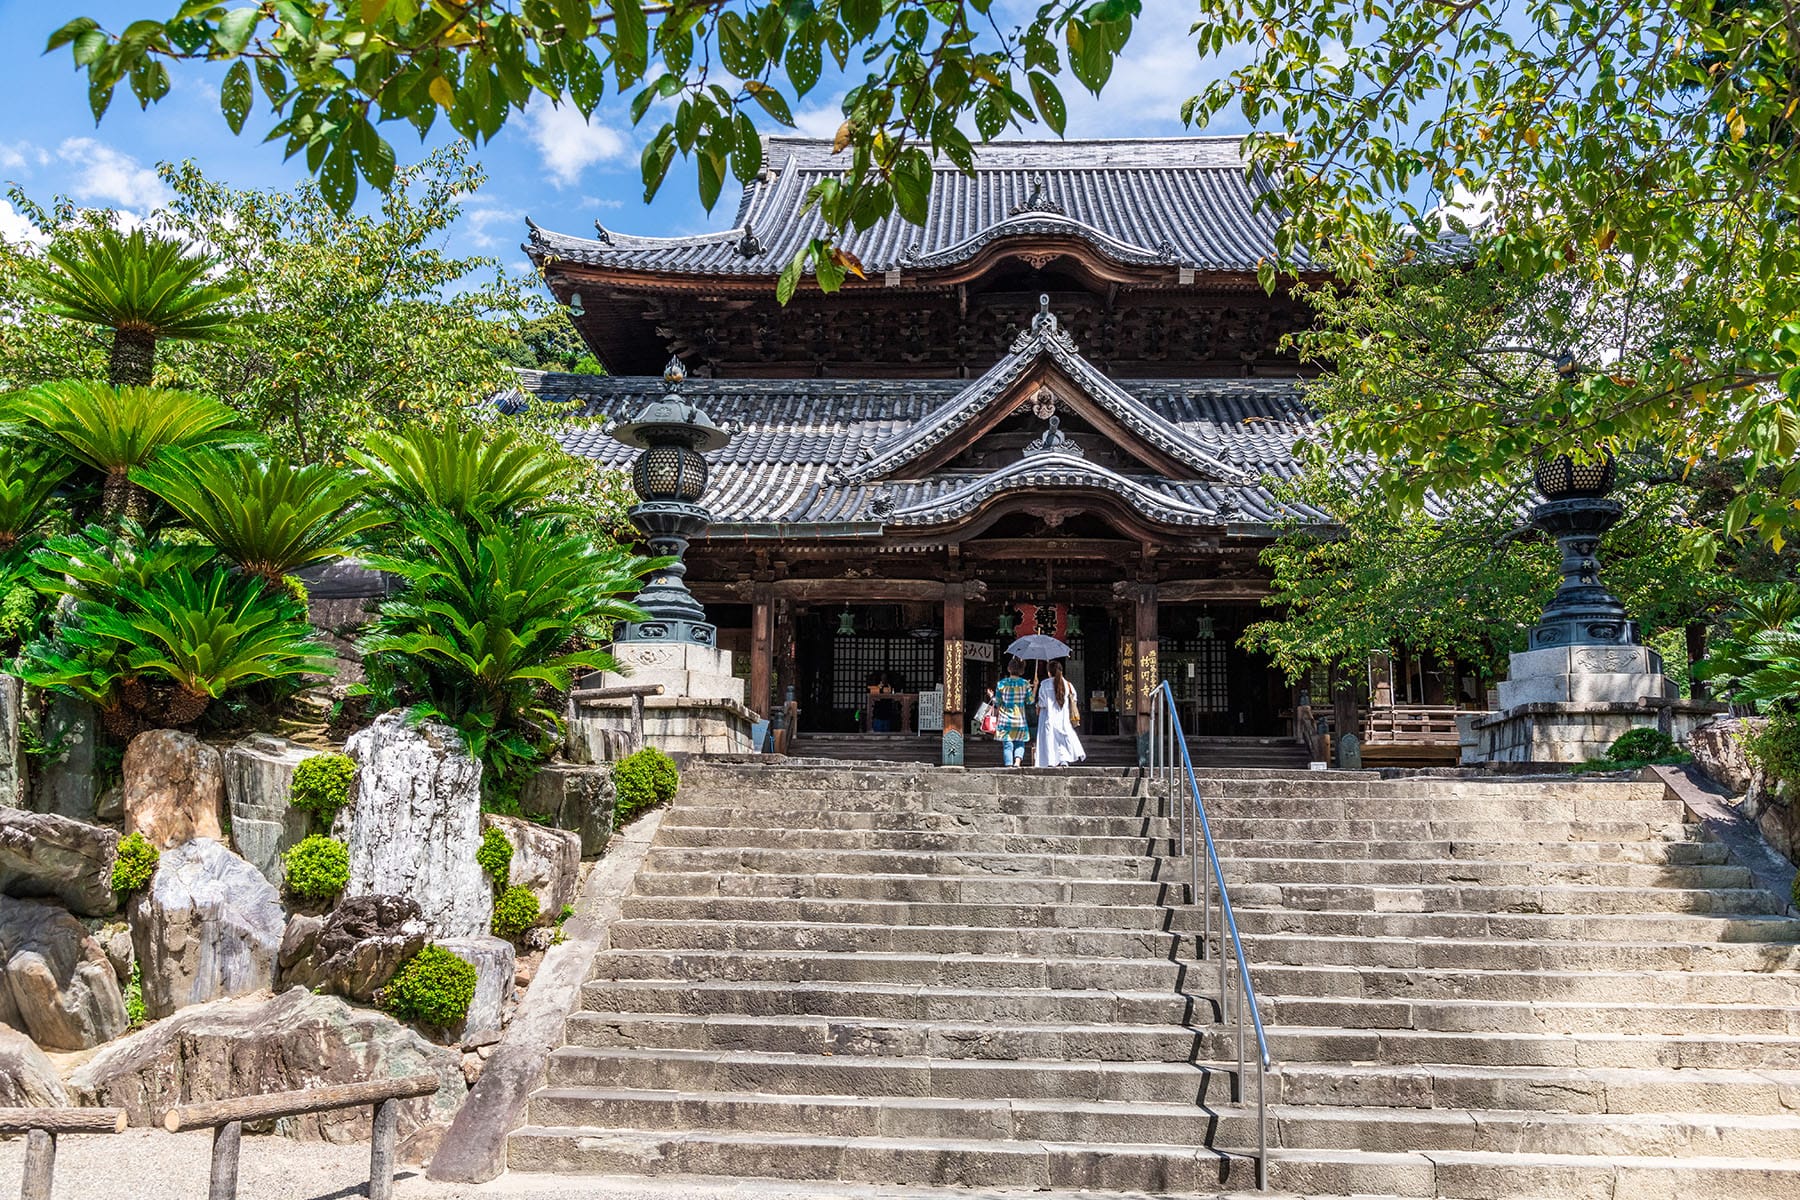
<point x="1140" y="432"/>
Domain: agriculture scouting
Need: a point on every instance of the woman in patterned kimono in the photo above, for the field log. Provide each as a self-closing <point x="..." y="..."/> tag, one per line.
<point x="1058" y="745"/>
<point x="1011" y="696"/>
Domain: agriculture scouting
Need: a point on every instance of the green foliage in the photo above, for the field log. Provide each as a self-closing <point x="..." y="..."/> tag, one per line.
<point x="641" y="781"/>
<point x="30" y="477"/>
<point x="134" y="997"/>
<point x="1758" y="658"/>
<point x="321" y="785"/>
<point x="515" y="911"/>
<point x="470" y="474"/>
<point x="316" y="868"/>
<point x="136" y="863"/>
<point x="495" y="857"/>
<point x="158" y="632"/>
<point x="1776" y="748"/>
<point x="493" y="619"/>
<point x="933" y="71"/>
<point x="1641" y="745"/>
<point x="263" y="512"/>
<point x="434" y="987"/>
<point x="114" y="431"/>
<point x="143" y="286"/>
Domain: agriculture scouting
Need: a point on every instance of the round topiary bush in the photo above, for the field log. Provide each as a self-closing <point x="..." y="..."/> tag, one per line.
<point x="642" y="780"/>
<point x="1641" y="745"/>
<point x="433" y="987"/>
<point x="316" y="869"/>
<point x="515" y="910"/>
<point x="321" y="785"/>
<point x="136" y="864"/>
<point x="495" y="857"/>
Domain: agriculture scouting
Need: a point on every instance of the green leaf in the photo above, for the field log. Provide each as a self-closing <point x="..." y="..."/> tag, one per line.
<point x="235" y="28"/>
<point x="860" y="17"/>
<point x="746" y="150"/>
<point x="912" y="184"/>
<point x="790" y="275"/>
<point x="712" y="178"/>
<point x="803" y="64"/>
<point x="1049" y="102"/>
<point x="236" y="94"/>
<point x="337" y="178"/>
<point x="631" y="50"/>
<point x="737" y="46"/>
<point x="771" y="100"/>
<point x="70" y="32"/>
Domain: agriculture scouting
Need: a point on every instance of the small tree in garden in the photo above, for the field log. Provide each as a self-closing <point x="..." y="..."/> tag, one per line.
<point x="143" y="287"/>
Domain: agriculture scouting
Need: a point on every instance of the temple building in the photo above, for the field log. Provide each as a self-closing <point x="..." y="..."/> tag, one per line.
<point x="1060" y="405"/>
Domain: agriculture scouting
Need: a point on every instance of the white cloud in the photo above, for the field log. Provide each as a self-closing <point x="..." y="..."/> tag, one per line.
<point x="602" y="202"/>
<point x="823" y="121"/>
<point x="16" y="229"/>
<point x="568" y="142"/>
<point x="21" y="156"/>
<point x="106" y="175"/>
<point x="487" y="227"/>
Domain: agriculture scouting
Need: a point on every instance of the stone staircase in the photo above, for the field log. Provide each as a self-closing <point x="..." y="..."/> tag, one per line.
<point x="1474" y="990"/>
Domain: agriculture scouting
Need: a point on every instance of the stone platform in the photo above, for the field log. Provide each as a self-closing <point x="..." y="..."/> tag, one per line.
<point x="701" y="710"/>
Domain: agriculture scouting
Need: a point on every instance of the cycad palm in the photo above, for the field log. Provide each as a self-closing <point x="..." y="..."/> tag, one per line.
<point x="117" y="430"/>
<point x="468" y="473"/>
<point x="142" y="286"/>
<point x="264" y="513"/>
<point x="28" y="478"/>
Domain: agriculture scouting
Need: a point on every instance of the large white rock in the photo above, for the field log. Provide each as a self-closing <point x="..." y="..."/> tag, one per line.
<point x="545" y="861"/>
<point x="496" y="965"/>
<point x="208" y="926"/>
<point x="259" y="774"/>
<point x="174" y="788"/>
<point x="413" y="824"/>
<point x="56" y="983"/>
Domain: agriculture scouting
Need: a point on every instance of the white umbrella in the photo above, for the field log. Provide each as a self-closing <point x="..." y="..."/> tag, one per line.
<point x="1038" y="646"/>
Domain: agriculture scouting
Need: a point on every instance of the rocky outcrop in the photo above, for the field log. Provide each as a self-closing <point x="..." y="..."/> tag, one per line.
<point x="577" y="796"/>
<point x="546" y="862"/>
<point x="65" y="785"/>
<point x="174" y="788"/>
<point x="1718" y="750"/>
<point x="27" y="1079"/>
<point x="495" y="965"/>
<point x="413" y="824"/>
<point x="355" y="949"/>
<point x="257" y="1045"/>
<point x="45" y="855"/>
<point x="56" y="983"/>
<point x="12" y="765"/>
<point x="116" y="941"/>
<point x="208" y="926"/>
<point x="259" y="773"/>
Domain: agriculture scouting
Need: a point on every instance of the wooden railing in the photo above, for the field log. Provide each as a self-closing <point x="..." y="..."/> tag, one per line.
<point x="226" y="1119"/>
<point x="40" y="1127"/>
<point x="1411" y="725"/>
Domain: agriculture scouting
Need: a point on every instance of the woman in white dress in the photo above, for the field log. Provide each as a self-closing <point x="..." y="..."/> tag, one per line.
<point x="1058" y="745"/>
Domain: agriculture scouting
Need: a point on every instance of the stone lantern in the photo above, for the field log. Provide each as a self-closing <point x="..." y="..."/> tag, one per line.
<point x="1576" y="513"/>
<point x="669" y="477"/>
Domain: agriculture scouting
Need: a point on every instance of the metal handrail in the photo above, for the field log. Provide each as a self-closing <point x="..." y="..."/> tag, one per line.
<point x="1195" y="831"/>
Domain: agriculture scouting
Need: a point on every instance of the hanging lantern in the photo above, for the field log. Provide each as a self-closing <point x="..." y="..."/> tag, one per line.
<point x="1005" y="628"/>
<point x="1074" y="623"/>
<point x="846" y="623"/>
<point x="1204" y="627"/>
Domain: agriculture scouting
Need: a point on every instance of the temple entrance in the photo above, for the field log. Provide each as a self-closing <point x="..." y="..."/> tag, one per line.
<point x="1221" y="689"/>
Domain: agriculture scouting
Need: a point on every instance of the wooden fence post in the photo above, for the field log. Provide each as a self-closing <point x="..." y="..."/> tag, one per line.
<point x="381" y="1150"/>
<point x="40" y="1164"/>
<point x="226" y="1140"/>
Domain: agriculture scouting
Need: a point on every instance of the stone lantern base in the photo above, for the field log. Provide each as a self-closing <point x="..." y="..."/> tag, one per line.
<point x="1568" y="704"/>
<point x="701" y="709"/>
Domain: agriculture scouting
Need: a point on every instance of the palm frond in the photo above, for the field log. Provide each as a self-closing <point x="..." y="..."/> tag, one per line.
<point x="467" y="474"/>
<point x="136" y="281"/>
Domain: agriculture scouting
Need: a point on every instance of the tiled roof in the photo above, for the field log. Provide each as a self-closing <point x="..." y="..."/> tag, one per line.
<point x="794" y="437"/>
<point x="1178" y="201"/>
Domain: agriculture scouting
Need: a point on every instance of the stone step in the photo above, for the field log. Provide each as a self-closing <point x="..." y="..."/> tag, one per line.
<point x="872" y="1037"/>
<point x="1538" y="1089"/>
<point x="938" y="889"/>
<point x="1761" y="956"/>
<point x="1323" y="1044"/>
<point x="1489" y="1175"/>
<point x="637" y="934"/>
<point x="1666" y="852"/>
<point x="1570" y="898"/>
<point x="1474" y="927"/>
<point x="1086" y="824"/>
<point x="1532" y="1016"/>
<point x="966" y="842"/>
<point x="1412" y="872"/>
<point x="1673" y="986"/>
<point x="896" y="913"/>
<point x="856" y="1075"/>
<point x="904" y="1161"/>
<point x="721" y="860"/>
<point x="906" y="1001"/>
<point x="1004" y="970"/>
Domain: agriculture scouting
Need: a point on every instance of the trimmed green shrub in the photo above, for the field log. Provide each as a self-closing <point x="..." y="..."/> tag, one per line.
<point x="1641" y="745"/>
<point x="322" y="785"/>
<point x="136" y="864"/>
<point x="134" y="997"/>
<point x="515" y="911"/>
<point x="316" y="869"/>
<point x="433" y="987"/>
<point x="495" y="857"/>
<point x="641" y="781"/>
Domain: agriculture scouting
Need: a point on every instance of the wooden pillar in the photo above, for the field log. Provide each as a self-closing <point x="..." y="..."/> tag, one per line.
<point x="227" y="1139"/>
<point x="383" y="1139"/>
<point x="1148" y="670"/>
<point x="40" y="1164"/>
<point x="954" y="733"/>
<point x="762" y="650"/>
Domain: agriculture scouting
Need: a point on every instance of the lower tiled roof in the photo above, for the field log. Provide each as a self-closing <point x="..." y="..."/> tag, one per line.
<point x="793" y="437"/>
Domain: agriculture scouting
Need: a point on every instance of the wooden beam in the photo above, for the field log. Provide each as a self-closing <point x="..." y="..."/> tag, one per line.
<point x="860" y="591"/>
<point x="1038" y="549"/>
<point x="1184" y="591"/>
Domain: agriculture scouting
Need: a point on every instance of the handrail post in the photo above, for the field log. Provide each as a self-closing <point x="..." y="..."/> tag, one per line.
<point x="40" y="1164"/>
<point x="227" y="1139"/>
<point x="382" y="1139"/>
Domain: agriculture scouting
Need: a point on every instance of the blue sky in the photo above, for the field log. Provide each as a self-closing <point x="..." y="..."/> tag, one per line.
<point x="562" y="171"/>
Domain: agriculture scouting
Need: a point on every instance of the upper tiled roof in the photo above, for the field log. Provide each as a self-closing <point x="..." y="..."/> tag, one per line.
<point x="1175" y="201"/>
<point x="798" y="441"/>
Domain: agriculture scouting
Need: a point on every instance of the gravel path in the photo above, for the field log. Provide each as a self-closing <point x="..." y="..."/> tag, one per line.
<point x="142" y="1164"/>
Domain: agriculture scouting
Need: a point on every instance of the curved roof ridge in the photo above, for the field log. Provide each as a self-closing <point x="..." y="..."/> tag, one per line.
<point x="1062" y="470"/>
